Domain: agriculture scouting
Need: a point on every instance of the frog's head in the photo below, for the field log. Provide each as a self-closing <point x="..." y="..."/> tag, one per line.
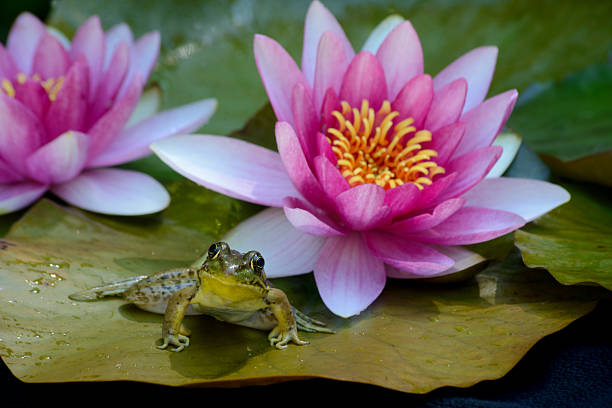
<point x="233" y="267"/>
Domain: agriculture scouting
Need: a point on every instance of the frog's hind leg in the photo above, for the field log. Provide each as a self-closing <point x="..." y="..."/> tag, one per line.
<point x="116" y="288"/>
<point x="153" y="292"/>
<point x="308" y="324"/>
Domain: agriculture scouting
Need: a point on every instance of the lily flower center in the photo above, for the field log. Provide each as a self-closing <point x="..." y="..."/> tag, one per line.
<point x="371" y="149"/>
<point x="51" y="85"/>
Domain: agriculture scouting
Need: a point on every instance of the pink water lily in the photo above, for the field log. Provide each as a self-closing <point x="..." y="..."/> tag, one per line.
<point x="64" y="112"/>
<point x="380" y="170"/>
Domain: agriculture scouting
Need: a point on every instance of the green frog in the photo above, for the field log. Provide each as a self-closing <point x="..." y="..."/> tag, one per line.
<point x="224" y="283"/>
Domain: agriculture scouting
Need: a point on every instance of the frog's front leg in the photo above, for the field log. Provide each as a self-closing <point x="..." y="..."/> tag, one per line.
<point x="173" y="331"/>
<point x="286" y="329"/>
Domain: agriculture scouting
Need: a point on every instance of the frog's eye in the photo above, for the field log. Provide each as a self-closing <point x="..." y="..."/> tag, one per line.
<point x="214" y="250"/>
<point x="257" y="263"/>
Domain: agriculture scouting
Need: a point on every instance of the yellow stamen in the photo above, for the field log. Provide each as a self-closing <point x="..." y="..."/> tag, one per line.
<point x="7" y="87"/>
<point x="51" y="85"/>
<point x="370" y="148"/>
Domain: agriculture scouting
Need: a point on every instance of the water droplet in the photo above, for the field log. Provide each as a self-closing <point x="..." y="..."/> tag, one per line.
<point x="27" y="354"/>
<point x="44" y="358"/>
<point x="35" y="290"/>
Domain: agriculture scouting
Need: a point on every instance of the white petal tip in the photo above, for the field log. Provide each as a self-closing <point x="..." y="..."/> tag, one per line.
<point x="115" y="192"/>
<point x="381" y="31"/>
<point x="510" y="142"/>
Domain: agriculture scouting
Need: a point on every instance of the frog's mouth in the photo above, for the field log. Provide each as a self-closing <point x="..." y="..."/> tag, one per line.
<point x="229" y="281"/>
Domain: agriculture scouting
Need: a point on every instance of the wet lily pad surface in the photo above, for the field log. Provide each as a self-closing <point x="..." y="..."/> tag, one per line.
<point x="415" y="337"/>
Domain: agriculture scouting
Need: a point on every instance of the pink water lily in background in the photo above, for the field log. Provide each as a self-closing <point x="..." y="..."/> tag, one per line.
<point x="64" y="108"/>
<point x="380" y="170"/>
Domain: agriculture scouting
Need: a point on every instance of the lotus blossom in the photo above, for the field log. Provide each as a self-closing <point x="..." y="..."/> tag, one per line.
<point x="380" y="171"/>
<point x="65" y="112"/>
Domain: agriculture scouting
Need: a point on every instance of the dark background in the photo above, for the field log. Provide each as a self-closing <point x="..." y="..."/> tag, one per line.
<point x="571" y="368"/>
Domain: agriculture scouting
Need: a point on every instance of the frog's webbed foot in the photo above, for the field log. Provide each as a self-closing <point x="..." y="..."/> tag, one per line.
<point x="173" y="331"/>
<point x="286" y="328"/>
<point x="279" y="338"/>
<point x="178" y="340"/>
<point x="308" y="324"/>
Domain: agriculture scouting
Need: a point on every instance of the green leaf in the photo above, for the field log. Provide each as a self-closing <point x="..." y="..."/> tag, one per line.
<point x="569" y="124"/>
<point x="574" y="241"/>
<point x="415" y="337"/>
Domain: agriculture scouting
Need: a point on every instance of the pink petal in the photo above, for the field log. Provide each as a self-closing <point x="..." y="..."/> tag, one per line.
<point x="362" y="207"/>
<point x="279" y="74"/>
<point x="297" y="167"/>
<point x="463" y="258"/>
<point x="60" y="160"/>
<point x="477" y="67"/>
<point x="380" y="32"/>
<point x="432" y="192"/>
<point x="324" y="149"/>
<point x="286" y="250"/>
<point x="414" y="100"/>
<point x="348" y="276"/>
<point x="115" y="36"/>
<point x="230" y="166"/>
<point x="107" y="128"/>
<point x="133" y="143"/>
<point x="329" y="176"/>
<point x="8" y="69"/>
<point x="114" y="191"/>
<point x="112" y="80"/>
<point x="427" y="220"/>
<point x="146" y="51"/>
<point x="33" y="95"/>
<point x="330" y="103"/>
<point x="470" y="168"/>
<point x="305" y="218"/>
<point x="525" y="197"/>
<point x="143" y="56"/>
<point x="447" y="105"/>
<point x="401" y="57"/>
<point x="14" y="197"/>
<point x="90" y="42"/>
<point x="485" y="121"/>
<point x="20" y="132"/>
<point x="23" y="40"/>
<point x="470" y="225"/>
<point x="318" y="21"/>
<point x="331" y="65"/>
<point x="69" y="110"/>
<point x="364" y="79"/>
<point x="406" y="255"/>
<point x="402" y="199"/>
<point x="445" y="140"/>
<point x="7" y="173"/>
<point x="51" y="60"/>
<point x="307" y="122"/>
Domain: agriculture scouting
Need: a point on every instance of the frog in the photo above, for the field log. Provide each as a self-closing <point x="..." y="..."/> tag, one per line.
<point x="223" y="283"/>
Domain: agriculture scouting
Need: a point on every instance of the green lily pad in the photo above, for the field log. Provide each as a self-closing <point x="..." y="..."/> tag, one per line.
<point x="416" y="337"/>
<point x="574" y="241"/>
<point x="569" y="124"/>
